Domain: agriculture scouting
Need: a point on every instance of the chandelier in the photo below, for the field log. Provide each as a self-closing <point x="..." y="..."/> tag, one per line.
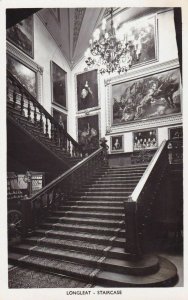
<point x="111" y="50"/>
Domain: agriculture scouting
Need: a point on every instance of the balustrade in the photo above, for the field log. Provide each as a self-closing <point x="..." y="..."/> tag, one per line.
<point x="21" y="101"/>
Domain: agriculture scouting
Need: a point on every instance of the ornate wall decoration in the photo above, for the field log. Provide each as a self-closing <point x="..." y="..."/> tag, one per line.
<point x="58" y="78"/>
<point x="87" y="90"/>
<point x="22" y="36"/>
<point x="78" y="18"/>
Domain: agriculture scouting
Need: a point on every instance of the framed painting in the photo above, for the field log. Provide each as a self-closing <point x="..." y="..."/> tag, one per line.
<point x="148" y="97"/>
<point x="145" y="140"/>
<point x="144" y="35"/>
<point x="116" y="143"/>
<point x="87" y="90"/>
<point x="59" y="77"/>
<point x="60" y="117"/>
<point x="22" y="36"/>
<point x="88" y="133"/>
<point x="25" y="75"/>
<point x="175" y="133"/>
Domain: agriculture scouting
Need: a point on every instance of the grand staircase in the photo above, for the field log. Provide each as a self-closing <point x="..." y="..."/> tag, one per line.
<point x="85" y="237"/>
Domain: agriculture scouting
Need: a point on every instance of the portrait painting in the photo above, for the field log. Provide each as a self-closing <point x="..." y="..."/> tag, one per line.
<point x="60" y="117"/>
<point x="116" y="143"/>
<point x="87" y="90"/>
<point x="22" y="35"/>
<point x="176" y="133"/>
<point x="23" y="74"/>
<point x="143" y="35"/>
<point x="145" y="140"/>
<point x="59" y="77"/>
<point x="88" y="133"/>
<point x="148" y="97"/>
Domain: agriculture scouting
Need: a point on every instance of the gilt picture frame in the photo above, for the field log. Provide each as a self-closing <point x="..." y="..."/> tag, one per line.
<point x="59" y="85"/>
<point x="117" y="144"/>
<point x="145" y="140"/>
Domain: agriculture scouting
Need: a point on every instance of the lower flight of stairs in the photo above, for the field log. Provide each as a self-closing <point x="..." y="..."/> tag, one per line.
<point x="85" y="238"/>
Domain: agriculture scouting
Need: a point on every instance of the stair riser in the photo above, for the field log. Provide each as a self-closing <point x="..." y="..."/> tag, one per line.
<point x="100" y="198"/>
<point x="82" y="215"/>
<point x="109" y="204"/>
<point x="85" y="222"/>
<point x="108" y="232"/>
<point x="93" y="209"/>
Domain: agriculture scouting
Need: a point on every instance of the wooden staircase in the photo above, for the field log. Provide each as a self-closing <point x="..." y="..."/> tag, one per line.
<point x="85" y="237"/>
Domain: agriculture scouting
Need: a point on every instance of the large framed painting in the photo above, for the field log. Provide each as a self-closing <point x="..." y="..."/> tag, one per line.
<point x="59" y="78"/>
<point x="60" y="117"/>
<point x="25" y="75"/>
<point x="144" y="35"/>
<point x="116" y="143"/>
<point x="88" y="133"/>
<point x="145" y="140"/>
<point x="22" y="36"/>
<point x="87" y="90"/>
<point x="148" y="97"/>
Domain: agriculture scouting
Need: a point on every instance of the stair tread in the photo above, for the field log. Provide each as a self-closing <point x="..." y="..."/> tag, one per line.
<point x="90" y="213"/>
<point x="89" y="220"/>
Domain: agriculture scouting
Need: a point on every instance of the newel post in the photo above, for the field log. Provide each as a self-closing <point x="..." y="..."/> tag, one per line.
<point x="26" y="209"/>
<point x="132" y="244"/>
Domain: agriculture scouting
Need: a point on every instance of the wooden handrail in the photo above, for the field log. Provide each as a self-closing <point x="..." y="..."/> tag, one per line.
<point x="138" y="189"/>
<point x="41" y="108"/>
<point x="59" y="179"/>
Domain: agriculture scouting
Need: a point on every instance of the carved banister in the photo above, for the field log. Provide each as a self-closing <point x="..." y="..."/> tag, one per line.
<point x="142" y="182"/>
<point x="31" y="105"/>
<point x="138" y="208"/>
<point x="59" y="189"/>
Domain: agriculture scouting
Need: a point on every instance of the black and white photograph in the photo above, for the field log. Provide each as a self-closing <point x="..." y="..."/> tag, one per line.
<point x="92" y="174"/>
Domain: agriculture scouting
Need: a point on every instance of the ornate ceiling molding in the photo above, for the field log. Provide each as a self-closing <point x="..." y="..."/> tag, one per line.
<point x="78" y="18"/>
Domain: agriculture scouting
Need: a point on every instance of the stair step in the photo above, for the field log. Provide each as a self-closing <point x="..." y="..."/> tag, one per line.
<point x="145" y="266"/>
<point x="86" y="215"/>
<point x="80" y="203"/>
<point x="90" y="221"/>
<point x="82" y="228"/>
<point x="93" y="208"/>
<point x="101" y="198"/>
<point x="102" y="193"/>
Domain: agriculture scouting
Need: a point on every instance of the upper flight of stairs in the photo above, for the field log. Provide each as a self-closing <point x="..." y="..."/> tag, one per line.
<point x="85" y="237"/>
<point x="30" y="129"/>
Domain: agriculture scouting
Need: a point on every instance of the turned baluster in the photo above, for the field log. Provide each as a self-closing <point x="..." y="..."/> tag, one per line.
<point x="52" y="130"/>
<point x="69" y="147"/>
<point x="21" y="102"/>
<point x="46" y="128"/>
<point x="29" y="111"/>
<point x="41" y="121"/>
<point x="55" y="134"/>
<point x="14" y="95"/>
<point x="35" y="114"/>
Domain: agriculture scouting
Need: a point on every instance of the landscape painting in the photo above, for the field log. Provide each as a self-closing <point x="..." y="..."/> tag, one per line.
<point x="22" y="35"/>
<point x="58" y="85"/>
<point x="88" y="133"/>
<point x="87" y="90"/>
<point x="149" y="97"/>
<point x="23" y="74"/>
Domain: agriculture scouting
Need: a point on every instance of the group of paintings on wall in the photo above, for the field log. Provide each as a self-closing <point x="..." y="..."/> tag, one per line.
<point x="24" y="74"/>
<point x="147" y="97"/>
<point x="88" y="133"/>
<point x="22" y="36"/>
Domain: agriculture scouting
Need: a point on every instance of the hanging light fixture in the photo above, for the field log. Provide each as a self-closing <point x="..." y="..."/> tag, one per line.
<point x="111" y="50"/>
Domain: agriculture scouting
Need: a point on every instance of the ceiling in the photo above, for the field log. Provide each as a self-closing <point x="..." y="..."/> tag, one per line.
<point x="72" y="28"/>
